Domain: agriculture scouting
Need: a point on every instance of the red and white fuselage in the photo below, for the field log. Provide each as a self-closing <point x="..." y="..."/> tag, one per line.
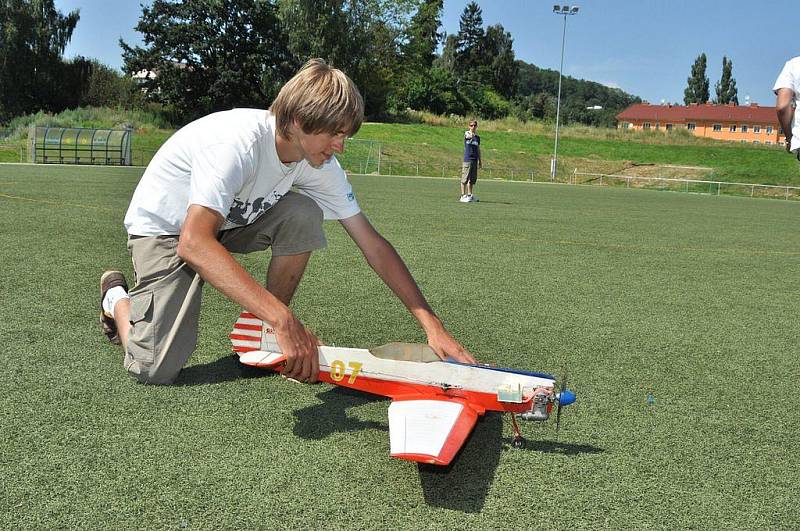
<point x="435" y="404"/>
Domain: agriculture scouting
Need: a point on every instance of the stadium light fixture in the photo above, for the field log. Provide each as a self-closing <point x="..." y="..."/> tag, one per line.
<point x="565" y="10"/>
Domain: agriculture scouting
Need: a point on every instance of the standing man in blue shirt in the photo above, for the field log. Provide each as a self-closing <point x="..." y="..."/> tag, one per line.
<point x="472" y="161"/>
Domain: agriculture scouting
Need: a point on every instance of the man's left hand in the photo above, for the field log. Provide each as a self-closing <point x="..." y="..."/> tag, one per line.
<point x="446" y="347"/>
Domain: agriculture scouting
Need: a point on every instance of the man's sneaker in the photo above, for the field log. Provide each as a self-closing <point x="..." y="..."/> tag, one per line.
<point x="464" y="199"/>
<point x="473" y="199"/>
<point x="110" y="279"/>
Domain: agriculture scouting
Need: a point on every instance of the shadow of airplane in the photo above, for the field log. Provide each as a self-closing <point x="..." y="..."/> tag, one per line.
<point x="464" y="484"/>
<point x="330" y="416"/>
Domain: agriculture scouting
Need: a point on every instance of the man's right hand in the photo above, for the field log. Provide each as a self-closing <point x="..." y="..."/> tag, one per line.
<point x="300" y="346"/>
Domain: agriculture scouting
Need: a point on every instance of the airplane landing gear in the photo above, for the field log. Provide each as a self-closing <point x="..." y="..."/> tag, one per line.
<point x="518" y="441"/>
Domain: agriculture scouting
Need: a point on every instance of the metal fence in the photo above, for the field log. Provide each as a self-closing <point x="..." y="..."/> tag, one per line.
<point x="366" y="158"/>
<point x="687" y="185"/>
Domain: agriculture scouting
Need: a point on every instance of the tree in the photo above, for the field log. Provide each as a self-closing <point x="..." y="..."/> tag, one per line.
<point x="697" y="89"/>
<point x="422" y="36"/>
<point x="469" y="41"/>
<point x="726" y="86"/>
<point x="503" y="69"/>
<point x="447" y="60"/>
<point x="361" y="37"/>
<point x="32" y="41"/>
<point x="208" y="55"/>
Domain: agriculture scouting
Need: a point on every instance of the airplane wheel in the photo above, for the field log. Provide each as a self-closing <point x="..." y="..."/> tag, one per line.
<point x="518" y="442"/>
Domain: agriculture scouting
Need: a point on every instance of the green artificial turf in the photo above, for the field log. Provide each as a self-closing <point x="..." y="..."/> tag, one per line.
<point x="675" y="314"/>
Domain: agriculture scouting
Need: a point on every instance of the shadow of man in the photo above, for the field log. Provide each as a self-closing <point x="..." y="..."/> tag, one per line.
<point x="224" y="369"/>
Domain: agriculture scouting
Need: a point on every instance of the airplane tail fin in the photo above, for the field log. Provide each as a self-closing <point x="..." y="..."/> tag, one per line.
<point x="251" y="333"/>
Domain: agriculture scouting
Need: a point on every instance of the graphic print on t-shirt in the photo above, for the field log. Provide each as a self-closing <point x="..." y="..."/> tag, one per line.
<point x="245" y="212"/>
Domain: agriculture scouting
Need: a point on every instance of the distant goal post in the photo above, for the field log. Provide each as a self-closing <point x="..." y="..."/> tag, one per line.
<point x="75" y="145"/>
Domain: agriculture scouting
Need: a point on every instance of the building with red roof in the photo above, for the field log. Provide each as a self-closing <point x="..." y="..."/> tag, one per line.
<point x="739" y="123"/>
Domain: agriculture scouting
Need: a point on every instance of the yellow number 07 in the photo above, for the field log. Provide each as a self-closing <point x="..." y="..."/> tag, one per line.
<point x="338" y="371"/>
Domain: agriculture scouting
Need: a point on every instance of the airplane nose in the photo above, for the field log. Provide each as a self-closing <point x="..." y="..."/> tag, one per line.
<point x="566" y="397"/>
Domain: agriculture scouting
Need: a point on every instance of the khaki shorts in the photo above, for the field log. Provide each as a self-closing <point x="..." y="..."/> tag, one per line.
<point x="165" y="303"/>
<point x="469" y="172"/>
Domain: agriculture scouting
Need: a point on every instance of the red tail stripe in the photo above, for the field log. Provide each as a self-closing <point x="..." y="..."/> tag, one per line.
<point x="247" y="315"/>
<point x="247" y="326"/>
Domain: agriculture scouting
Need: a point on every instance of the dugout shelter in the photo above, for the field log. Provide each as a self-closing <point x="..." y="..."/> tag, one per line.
<point x="74" y="145"/>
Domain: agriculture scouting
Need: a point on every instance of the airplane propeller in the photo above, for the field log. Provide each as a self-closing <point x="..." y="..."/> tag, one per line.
<point x="565" y="397"/>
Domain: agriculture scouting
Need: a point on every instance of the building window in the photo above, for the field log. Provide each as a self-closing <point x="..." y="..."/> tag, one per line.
<point x="780" y="130"/>
<point x="658" y="125"/>
<point x="743" y="141"/>
<point x="757" y="129"/>
<point x="691" y="127"/>
<point x="769" y="129"/>
<point x="756" y="142"/>
<point x="744" y="129"/>
<point x="768" y="142"/>
<point x="669" y="127"/>
<point x="717" y="127"/>
<point x="646" y="125"/>
<point x="732" y="128"/>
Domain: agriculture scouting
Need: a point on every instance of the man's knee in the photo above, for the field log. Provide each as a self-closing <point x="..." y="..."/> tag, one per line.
<point x="153" y="370"/>
<point x="300" y="228"/>
<point x="153" y="376"/>
<point x="302" y="211"/>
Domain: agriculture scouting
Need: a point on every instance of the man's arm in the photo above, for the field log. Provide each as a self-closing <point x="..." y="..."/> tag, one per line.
<point x="384" y="260"/>
<point x="785" y="111"/>
<point x="198" y="246"/>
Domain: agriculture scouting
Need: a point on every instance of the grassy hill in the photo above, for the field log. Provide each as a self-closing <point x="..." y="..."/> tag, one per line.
<point x="511" y="149"/>
<point x="514" y="154"/>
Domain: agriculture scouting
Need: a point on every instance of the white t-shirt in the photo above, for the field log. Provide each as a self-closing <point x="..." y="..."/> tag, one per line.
<point x="227" y="161"/>
<point x="790" y="78"/>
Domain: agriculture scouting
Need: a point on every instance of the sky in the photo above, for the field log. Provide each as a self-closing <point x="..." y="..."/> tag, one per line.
<point x="644" y="47"/>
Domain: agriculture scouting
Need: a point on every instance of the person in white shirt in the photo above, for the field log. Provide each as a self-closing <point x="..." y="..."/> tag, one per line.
<point x="787" y="90"/>
<point x="241" y="181"/>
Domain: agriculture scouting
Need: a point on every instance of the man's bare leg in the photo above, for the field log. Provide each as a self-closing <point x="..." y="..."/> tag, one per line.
<point x="122" y="316"/>
<point x="284" y="275"/>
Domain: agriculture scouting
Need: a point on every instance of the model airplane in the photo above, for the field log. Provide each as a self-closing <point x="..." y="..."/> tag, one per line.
<point x="435" y="403"/>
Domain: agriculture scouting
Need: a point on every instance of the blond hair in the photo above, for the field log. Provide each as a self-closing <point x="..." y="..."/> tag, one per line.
<point x="321" y="99"/>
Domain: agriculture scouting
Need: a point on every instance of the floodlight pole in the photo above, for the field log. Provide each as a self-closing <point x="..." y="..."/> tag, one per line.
<point x="560" y="10"/>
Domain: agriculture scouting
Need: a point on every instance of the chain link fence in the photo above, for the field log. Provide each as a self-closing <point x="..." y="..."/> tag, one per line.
<point x="366" y="157"/>
<point x="687" y="185"/>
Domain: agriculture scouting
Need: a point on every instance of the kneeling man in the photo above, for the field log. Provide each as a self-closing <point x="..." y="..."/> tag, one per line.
<point x="236" y="182"/>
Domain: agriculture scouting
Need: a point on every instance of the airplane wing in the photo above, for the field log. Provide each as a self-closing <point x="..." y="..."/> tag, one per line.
<point x="429" y="430"/>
